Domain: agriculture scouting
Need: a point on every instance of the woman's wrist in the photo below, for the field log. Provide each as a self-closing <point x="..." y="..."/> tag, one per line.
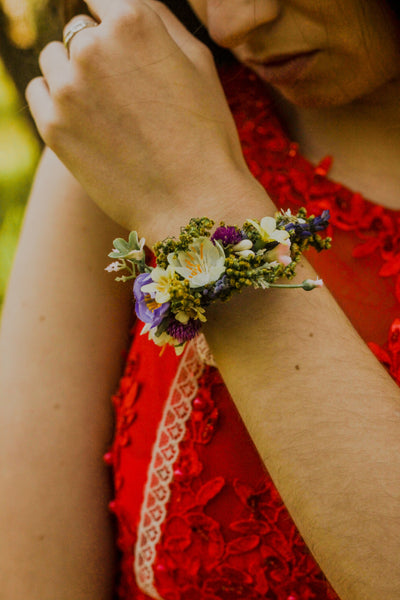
<point x="210" y="262"/>
<point x="231" y="197"/>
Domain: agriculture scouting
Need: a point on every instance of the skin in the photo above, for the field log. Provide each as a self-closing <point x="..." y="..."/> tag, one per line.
<point x="334" y="455"/>
<point x="356" y="43"/>
<point x="60" y="361"/>
<point x="65" y="104"/>
<point x="346" y="103"/>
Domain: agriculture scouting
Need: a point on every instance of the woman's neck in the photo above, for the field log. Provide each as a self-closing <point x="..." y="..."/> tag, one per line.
<point x="363" y="138"/>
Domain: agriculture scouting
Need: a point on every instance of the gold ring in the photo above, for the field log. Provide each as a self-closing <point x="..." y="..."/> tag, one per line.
<point x="75" y="26"/>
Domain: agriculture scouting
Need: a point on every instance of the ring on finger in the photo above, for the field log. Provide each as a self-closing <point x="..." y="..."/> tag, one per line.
<point x="76" y="25"/>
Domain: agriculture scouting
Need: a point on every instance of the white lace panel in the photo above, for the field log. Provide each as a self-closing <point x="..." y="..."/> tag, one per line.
<point x="165" y="452"/>
<point x="203" y="350"/>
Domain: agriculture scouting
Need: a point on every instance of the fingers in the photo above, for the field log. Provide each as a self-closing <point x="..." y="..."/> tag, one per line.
<point x="137" y="12"/>
<point x="102" y="8"/>
<point x="99" y="8"/>
<point x="130" y="32"/>
<point x="40" y="103"/>
<point x="42" y="91"/>
<point x="54" y="64"/>
<point x="74" y="26"/>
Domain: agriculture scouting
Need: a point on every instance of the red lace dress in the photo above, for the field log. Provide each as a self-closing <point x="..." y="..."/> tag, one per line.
<point x="198" y="515"/>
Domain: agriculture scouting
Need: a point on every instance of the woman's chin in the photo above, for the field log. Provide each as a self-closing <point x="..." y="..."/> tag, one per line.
<point x="304" y="96"/>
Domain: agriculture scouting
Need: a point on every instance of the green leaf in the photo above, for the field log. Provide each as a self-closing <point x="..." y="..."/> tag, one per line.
<point x="163" y="326"/>
<point x="121" y="245"/>
<point x="133" y="243"/>
<point x="115" y="254"/>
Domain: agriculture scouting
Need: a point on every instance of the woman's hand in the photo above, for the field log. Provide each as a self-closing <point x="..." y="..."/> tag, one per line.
<point x="136" y="111"/>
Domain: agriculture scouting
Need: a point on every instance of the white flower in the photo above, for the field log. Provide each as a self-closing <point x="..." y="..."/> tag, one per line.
<point x="268" y="231"/>
<point x="202" y="264"/>
<point x="293" y="219"/>
<point x="159" y="290"/>
<point x="286" y="213"/>
<point x="280" y="254"/>
<point x="114" y="266"/>
<point x="163" y="339"/>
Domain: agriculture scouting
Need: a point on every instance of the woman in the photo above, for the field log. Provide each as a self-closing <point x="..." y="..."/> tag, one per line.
<point x="322" y="413"/>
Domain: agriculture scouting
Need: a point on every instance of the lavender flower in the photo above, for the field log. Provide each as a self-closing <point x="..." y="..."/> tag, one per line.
<point x="147" y="309"/>
<point x="220" y="286"/>
<point x="321" y="222"/>
<point x="308" y="228"/>
<point x="227" y="235"/>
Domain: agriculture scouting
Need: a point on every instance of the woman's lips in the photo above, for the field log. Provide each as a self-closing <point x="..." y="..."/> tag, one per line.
<point x="284" y="69"/>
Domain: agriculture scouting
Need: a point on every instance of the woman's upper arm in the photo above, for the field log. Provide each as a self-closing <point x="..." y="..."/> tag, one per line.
<point x="65" y="324"/>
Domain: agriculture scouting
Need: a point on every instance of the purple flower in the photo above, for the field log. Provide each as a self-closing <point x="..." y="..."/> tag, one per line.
<point x="307" y="229"/>
<point x="147" y="309"/>
<point x="184" y="333"/>
<point x="321" y="222"/>
<point x="218" y="288"/>
<point x="227" y="235"/>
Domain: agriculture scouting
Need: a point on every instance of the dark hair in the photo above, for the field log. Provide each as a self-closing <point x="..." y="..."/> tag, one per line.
<point x="394" y="6"/>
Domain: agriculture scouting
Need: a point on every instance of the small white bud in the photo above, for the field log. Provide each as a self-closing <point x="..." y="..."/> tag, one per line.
<point x="245" y="253"/>
<point x="243" y="245"/>
<point x="310" y="284"/>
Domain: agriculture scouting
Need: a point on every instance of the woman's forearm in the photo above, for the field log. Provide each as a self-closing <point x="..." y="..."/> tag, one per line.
<point x="325" y="417"/>
<point x="64" y="327"/>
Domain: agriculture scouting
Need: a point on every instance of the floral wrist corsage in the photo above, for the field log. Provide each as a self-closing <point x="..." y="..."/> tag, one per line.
<point x="200" y="267"/>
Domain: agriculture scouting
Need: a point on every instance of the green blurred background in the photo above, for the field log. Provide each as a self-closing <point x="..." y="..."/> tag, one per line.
<point x="19" y="152"/>
<point x="25" y="27"/>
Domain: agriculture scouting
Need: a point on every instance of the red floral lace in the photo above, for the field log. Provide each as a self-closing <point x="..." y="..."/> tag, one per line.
<point x="259" y="554"/>
<point x="256" y="554"/>
<point x="227" y="534"/>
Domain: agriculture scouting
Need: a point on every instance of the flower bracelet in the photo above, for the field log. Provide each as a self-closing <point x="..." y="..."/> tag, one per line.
<point x="200" y="267"/>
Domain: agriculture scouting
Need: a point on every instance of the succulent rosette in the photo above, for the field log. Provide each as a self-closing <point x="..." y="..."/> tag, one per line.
<point x="200" y="267"/>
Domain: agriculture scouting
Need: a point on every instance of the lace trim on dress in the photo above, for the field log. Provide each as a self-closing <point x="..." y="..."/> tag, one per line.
<point x="171" y="431"/>
<point x="204" y="351"/>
